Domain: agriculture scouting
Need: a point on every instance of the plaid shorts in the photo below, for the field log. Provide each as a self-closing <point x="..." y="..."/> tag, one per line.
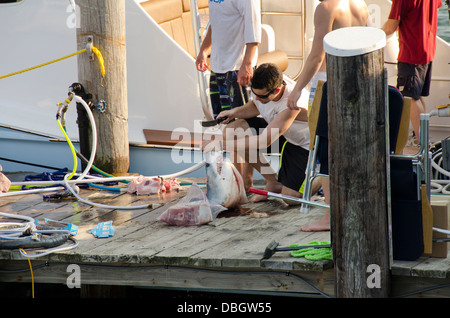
<point x="225" y="92"/>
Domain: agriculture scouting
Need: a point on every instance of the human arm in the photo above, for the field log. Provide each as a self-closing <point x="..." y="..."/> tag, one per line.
<point x="390" y="26"/>
<point x="302" y="115"/>
<point x="272" y="132"/>
<point x="323" y="24"/>
<point x="250" y="10"/>
<point x="205" y="49"/>
<point x="249" y="110"/>
<point x="245" y="73"/>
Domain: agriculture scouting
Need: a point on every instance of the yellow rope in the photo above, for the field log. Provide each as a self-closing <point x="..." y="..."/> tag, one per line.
<point x="100" y="59"/>
<point x="94" y="49"/>
<point x="71" y="147"/>
<point x="32" y="276"/>
<point x="44" y="64"/>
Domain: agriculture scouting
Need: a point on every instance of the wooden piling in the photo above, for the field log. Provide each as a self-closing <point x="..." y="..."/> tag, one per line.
<point x="357" y="161"/>
<point x="103" y="22"/>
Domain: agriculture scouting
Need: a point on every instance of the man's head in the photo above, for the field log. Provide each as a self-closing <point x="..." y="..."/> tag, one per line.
<point x="267" y="81"/>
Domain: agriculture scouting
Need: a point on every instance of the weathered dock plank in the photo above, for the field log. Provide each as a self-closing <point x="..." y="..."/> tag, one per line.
<point x="225" y="254"/>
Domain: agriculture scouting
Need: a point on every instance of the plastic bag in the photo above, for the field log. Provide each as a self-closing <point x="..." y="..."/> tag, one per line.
<point x="193" y="209"/>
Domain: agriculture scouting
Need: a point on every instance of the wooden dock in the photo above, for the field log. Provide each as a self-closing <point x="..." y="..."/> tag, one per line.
<point x="224" y="255"/>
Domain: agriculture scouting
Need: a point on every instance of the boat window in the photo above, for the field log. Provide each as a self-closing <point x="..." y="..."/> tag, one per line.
<point x="9" y="1"/>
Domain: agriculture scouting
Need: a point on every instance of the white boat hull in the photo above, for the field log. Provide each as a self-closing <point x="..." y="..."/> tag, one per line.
<point x="162" y="82"/>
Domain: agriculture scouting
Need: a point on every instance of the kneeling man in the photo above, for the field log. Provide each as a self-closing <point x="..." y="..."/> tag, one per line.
<point x="265" y="123"/>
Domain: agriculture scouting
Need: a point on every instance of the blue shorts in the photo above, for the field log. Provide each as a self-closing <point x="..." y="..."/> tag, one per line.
<point x="225" y="92"/>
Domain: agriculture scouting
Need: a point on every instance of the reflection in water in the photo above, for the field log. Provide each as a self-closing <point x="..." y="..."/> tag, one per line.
<point x="443" y="30"/>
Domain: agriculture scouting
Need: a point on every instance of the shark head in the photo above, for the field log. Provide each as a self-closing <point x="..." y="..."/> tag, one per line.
<point x="225" y="185"/>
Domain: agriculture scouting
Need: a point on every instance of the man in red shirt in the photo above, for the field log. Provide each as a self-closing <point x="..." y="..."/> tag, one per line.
<point x="416" y="21"/>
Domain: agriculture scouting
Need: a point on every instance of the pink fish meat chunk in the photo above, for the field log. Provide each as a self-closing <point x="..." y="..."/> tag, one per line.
<point x="152" y="185"/>
<point x="5" y="183"/>
<point x="194" y="213"/>
<point x="169" y="185"/>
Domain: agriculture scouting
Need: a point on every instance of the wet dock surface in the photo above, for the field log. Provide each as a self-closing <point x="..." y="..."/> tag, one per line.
<point x="226" y="254"/>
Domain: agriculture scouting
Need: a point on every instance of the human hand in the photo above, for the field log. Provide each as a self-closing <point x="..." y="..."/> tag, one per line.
<point x="225" y="116"/>
<point x="293" y="99"/>
<point x="201" y="62"/>
<point x="245" y="74"/>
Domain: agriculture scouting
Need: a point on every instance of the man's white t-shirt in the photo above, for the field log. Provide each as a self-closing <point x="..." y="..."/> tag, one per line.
<point x="298" y="132"/>
<point x="234" y="23"/>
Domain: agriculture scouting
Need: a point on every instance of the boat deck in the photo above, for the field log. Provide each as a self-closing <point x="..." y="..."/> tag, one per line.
<point x="224" y="255"/>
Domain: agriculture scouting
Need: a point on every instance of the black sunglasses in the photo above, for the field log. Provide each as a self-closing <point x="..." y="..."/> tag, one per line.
<point x="268" y="94"/>
<point x="264" y="96"/>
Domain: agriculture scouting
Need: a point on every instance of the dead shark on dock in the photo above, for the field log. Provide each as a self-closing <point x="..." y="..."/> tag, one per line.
<point x="225" y="185"/>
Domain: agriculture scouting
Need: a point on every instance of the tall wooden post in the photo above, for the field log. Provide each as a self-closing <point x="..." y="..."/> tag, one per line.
<point x="103" y="22"/>
<point x="357" y="161"/>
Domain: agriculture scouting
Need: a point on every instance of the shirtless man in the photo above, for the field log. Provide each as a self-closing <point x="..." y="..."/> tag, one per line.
<point x="329" y="15"/>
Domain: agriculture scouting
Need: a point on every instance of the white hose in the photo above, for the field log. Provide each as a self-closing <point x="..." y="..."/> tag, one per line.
<point x="31" y="191"/>
<point x="438" y="188"/>
<point x="132" y="207"/>
<point x="51" y="250"/>
<point x="94" y="135"/>
<point x="441" y="170"/>
<point x="436" y="183"/>
<point x="14" y="229"/>
<point x="94" y="179"/>
<point x="441" y="231"/>
<point x="84" y="178"/>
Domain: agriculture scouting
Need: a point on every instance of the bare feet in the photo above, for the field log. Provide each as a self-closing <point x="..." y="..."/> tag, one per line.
<point x="322" y="224"/>
<point x="248" y="182"/>
<point x="271" y="186"/>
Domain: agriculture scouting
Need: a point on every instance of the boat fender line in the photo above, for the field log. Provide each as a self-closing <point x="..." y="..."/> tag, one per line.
<point x="90" y="49"/>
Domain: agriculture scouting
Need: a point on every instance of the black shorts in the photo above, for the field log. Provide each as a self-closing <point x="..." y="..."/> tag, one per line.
<point x="322" y="155"/>
<point x="293" y="162"/>
<point x="259" y="124"/>
<point x="293" y="159"/>
<point x="414" y="80"/>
